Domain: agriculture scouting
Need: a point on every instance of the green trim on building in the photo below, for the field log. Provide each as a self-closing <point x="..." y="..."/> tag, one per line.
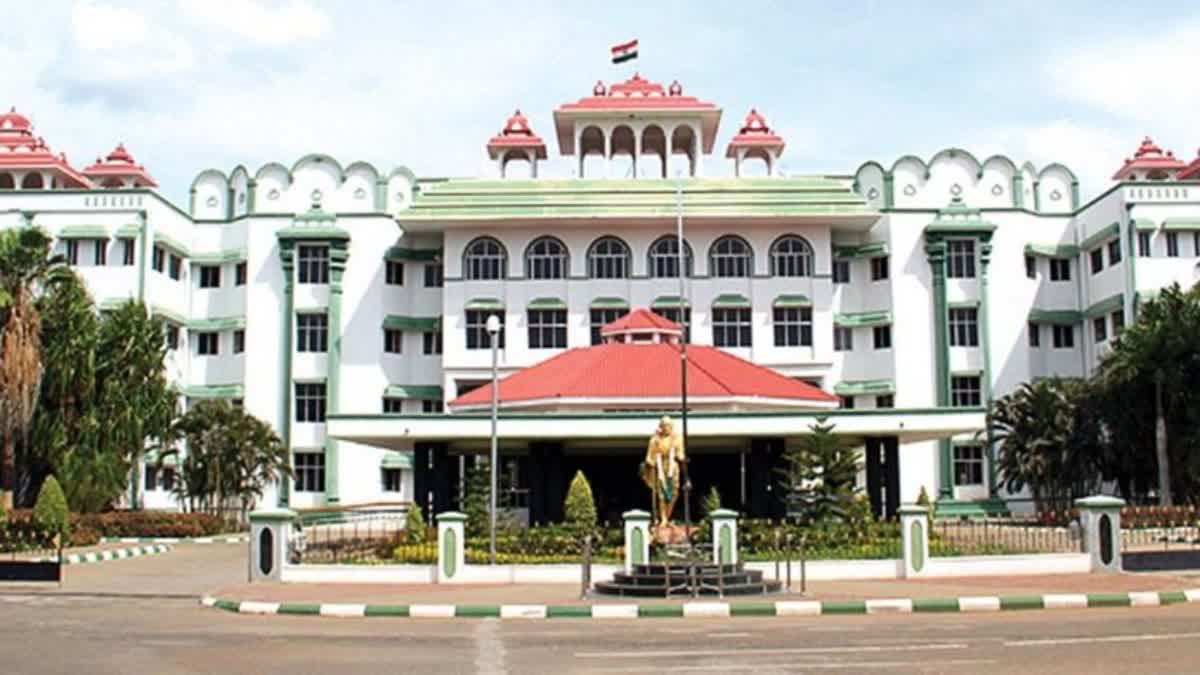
<point x="414" y="324"/>
<point x="1055" y="316"/>
<point x="420" y="392"/>
<point x="958" y="219"/>
<point x="609" y="303"/>
<point x="1144" y="224"/>
<point x="871" y="249"/>
<point x="287" y="260"/>
<point x="1100" y="236"/>
<point x="217" y="323"/>
<point x="109" y="304"/>
<point x="1105" y="307"/>
<point x="176" y="317"/>
<point x="233" y="255"/>
<point x="668" y="302"/>
<point x="339" y="255"/>
<point x="792" y="300"/>
<point x="404" y="254"/>
<point x="83" y="232"/>
<point x="313" y="233"/>
<point x="856" y="319"/>
<point x="167" y="241"/>
<point x="142" y="259"/>
<point x="128" y="231"/>
<point x="1181" y="224"/>
<point x="964" y="304"/>
<point x="547" y="303"/>
<point x="208" y="391"/>
<point x="484" y="303"/>
<point x="864" y="387"/>
<point x="396" y="460"/>
<point x="731" y="300"/>
<point x="1052" y="250"/>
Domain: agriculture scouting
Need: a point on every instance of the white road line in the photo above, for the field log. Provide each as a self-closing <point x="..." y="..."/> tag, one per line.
<point x="522" y="611"/>
<point x="346" y="611"/>
<point x="729" y="635"/>
<point x="940" y="646"/>
<point x="614" y="611"/>
<point x="789" y="666"/>
<point x="1145" y="637"/>
<point x="431" y="611"/>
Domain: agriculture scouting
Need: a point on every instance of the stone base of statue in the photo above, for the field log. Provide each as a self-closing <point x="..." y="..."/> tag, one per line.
<point x="671" y="533"/>
<point x="663" y="579"/>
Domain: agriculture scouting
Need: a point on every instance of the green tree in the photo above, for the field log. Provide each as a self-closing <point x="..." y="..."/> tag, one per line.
<point x="51" y="512"/>
<point x="1048" y="437"/>
<point x="476" y="502"/>
<point x="712" y="501"/>
<point x="27" y="268"/>
<point x="231" y="457"/>
<point x="416" y="531"/>
<point x="818" y="477"/>
<point x="579" y="508"/>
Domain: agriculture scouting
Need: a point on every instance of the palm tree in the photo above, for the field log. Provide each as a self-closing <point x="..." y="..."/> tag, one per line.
<point x="27" y="268"/>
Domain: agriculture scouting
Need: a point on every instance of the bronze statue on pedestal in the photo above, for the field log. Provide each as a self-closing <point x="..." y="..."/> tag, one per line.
<point x="662" y="469"/>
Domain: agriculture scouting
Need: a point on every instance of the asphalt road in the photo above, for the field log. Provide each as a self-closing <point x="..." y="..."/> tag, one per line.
<point x="130" y="624"/>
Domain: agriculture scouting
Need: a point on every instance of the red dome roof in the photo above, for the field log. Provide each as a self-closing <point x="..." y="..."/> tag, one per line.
<point x="642" y="321"/>
<point x="516" y="134"/>
<point x="24" y="151"/>
<point x="1149" y="157"/>
<point x="117" y="165"/>
<point x="14" y="120"/>
<point x="755" y="133"/>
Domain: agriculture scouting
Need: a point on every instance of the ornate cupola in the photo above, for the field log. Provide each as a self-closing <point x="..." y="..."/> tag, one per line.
<point x="641" y="325"/>
<point x="517" y="141"/>
<point x="755" y="140"/>
<point x="1150" y="163"/>
<point x="26" y="162"/>
<point x="118" y="170"/>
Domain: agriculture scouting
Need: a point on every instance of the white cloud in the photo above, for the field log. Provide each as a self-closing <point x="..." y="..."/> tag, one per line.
<point x="258" y="23"/>
<point x="121" y="44"/>
<point x="1092" y="152"/>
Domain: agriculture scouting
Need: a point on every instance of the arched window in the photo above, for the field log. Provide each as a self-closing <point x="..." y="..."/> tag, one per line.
<point x="32" y="181"/>
<point x="546" y="258"/>
<point x="608" y="259"/>
<point x="485" y="258"/>
<point x="6" y="181"/>
<point x="791" y="256"/>
<point x="664" y="257"/>
<point x="730" y="257"/>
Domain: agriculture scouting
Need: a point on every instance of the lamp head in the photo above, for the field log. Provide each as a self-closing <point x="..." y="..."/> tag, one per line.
<point x="493" y="324"/>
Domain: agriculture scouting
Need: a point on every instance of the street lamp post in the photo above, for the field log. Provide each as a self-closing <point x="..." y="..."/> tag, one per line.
<point x="493" y="329"/>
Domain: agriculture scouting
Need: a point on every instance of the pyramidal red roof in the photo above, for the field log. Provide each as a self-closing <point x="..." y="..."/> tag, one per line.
<point x="1149" y="157"/>
<point x="641" y="320"/>
<point x="516" y="134"/>
<point x="755" y="132"/>
<point x="1192" y="170"/>
<point x="119" y="164"/>
<point x="638" y="93"/>
<point x="628" y="372"/>
<point x="21" y="149"/>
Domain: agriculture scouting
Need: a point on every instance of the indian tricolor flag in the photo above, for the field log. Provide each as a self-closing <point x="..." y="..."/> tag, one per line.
<point x="625" y="52"/>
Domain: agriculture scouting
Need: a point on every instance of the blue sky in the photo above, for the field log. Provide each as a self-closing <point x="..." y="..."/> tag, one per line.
<point x="192" y="84"/>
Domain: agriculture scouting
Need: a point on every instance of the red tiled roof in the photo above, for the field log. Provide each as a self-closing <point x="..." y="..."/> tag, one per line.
<point x="638" y="93"/>
<point x="641" y="320"/>
<point x="1149" y="157"/>
<point x="120" y="164"/>
<point x="755" y="133"/>
<point x="516" y="134"/>
<point x="1192" y="170"/>
<point x="643" y="370"/>
<point x="20" y="149"/>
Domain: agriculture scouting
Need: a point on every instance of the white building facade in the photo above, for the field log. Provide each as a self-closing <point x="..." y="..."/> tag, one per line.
<point x="345" y="304"/>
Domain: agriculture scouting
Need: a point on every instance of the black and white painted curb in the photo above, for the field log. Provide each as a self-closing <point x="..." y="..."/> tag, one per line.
<point x="222" y="539"/>
<point x="113" y="554"/>
<point x="710" y="610"/>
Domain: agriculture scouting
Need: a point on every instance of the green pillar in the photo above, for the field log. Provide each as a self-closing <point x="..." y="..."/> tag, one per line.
<point x="889" y="190"/>
<point x="287" y="253"/>
<point x="1018" y="190"/>
<point x="935" y="250"/>
<point x="338" y="253"/>
<point x="139" y="260"/>
<point x="251" y="190"/>
<point x="985" y="259"/>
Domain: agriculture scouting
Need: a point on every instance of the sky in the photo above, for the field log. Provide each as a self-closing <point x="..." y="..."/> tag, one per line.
<point x="193" y="84"/>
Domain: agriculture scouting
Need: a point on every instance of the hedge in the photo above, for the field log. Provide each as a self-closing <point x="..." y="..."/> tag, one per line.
<point x="88" y="529"/>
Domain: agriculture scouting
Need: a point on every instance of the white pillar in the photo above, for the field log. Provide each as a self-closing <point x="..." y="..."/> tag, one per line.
<point x="637" y="538"/>
<point x="725" y="536"/>
<point x="1100" y="518"/>
<point x="452" y="544"/>
<point x="608" y="153"/>
<point x="270" y="531"/>
<point x="914" y="534"/>
<point x="738" y="156"/>
<point x="637" y="151"/>
<point x="532" y="163"/>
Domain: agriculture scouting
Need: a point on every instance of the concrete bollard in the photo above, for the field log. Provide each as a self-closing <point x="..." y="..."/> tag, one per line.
<point x="270" y="531"/>
<point x="637" y="538"/>
<point x="1100" y="518"/>
<point x="725" y="536"/>
<point x="914" y="534"/>
<point x="452" y="544"/>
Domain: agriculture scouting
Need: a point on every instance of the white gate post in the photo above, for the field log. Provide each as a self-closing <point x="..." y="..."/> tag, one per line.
<point x="637" y="538"/>
<point x="725" y="536"/>
<point x="269" y="548"/>
<point x="914" y="534"/>
<point x="1100" y="518"/>
<point x="452" y="544"/>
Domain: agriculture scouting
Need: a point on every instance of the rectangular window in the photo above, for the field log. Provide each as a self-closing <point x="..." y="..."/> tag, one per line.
<point x="210" y="276"/>
<point x="965" y="391"/>
<point x="151" y="477"/>
<point x="879" y="268"/>
<point x="100" y="253"/>
<point x="847" y="402"/>
<point x="1172" y="244"/>
<point x="1030" y="267"/>
<point x="1118" y="321"/>
<point x="432" y="406"/>
<point x="237" y="402"/>
<point x="968" y="465"/>
<point x="159" y="259"/>
<point x="172" y="336"/>
<point x="394" y="405"/>
<point x="128" y="251"/>
<point x="208" y="343"/>
<point x="683" y="319"/>
<point x="477" y="335"/>
<point x="393" y="480"/>
<point x="175" y="269"/>
<point x="843" y="339"/>
<point x="731" y="327"/>
<point x="310" y="401"/>
<point x="239" y="341"/>
<point x="885" y="401"/>
<point x="1097" y="256"/>
<point x="601" y="317"/>
<point x="841" y="271"/>
<point x="431" y="343"/>
<point x="960" y="258"/>
<point x="1143" y="244"/>
<point x="72" y="251"/>
<point x="1196" y="243"/>
<point x="310" y="471"/>
<point x="883" y="336"/>
<point x="239" y="274"/>
<point x="1114" y="251"/>
<point x="433" y="275"/>
<point x="1060" y="269"/>
<point x="312" y="332"/>
<point x="393" y="341"/>
<point x="1035" y="335"/>
<point x="1100" y="328"/>
<point x="793" y="326"/>
<point x="394" y="271"/>
<point x="1064" y="336"/>
<point x="964" y="327"/>
<point x="312" y="265"/>
<point x="547" y="328"/>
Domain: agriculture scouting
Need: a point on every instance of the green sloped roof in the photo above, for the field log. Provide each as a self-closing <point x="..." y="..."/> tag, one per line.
<point x="870" y="249"/>
<point x="83" y="232"/>
<point x="794" y="300"/>
<point x="485" y="303"/>
<point x="1107" y="232"/>
<point x="1185" y="224"/>
<point x="1106" y="306"/>
<point x="396" y="460"/>
<point x="425" y="392"/>
<point x="731" y="300"/>
<point x="668" y="301"/>
<point x="1144" y="224"/>
<point x="404" y="254"/>
<point x="610" y="303"/>
<point x="876" y="318"/>
<point x="547" y="303"/>
<point x="217" y="323"/>
<point x="1057" y="316"/>
<point x="1052" y="250"/>
<point x="218" y="257"/>
<point x="129" y="231"/>
<point x="415" y="324"/>
<point x="862" y="387"/>
<point x="214" y="391"/>
<point x="170" y="242"/>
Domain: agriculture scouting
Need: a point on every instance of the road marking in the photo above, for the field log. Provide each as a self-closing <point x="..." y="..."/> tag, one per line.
<point x="522" y="611"/>
<point x="614" y="611"/>
<point x="431" y="611"/>
<point x="489" y="649"/>
<point x="797" y="608"/>
<point x="343" y="610"/>
<point x="941" y="646"/>
<point x="253" y="607"/>
<point x="1145" y="637"/>
<point x="705" y="609"/>
<point x="729" y="635"/>
<point x="790" y="666"/>
<point x="1065" y="601"/>
<point x="1149" y="599"/>
<point x="979" y="604"/>
<point x="890" y="606"/>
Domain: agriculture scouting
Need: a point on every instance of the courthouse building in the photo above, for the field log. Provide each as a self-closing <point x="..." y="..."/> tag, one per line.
<point x="347" y="304"/>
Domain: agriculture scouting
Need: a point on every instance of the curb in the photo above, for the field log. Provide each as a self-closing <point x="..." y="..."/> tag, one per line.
<point x="710" y="610"/>
<point x="221" y="539"/>
<point x="114" y="554"/>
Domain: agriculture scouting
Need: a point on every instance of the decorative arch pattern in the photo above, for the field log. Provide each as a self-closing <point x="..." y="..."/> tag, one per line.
<point x="608" y="258"/>
<point x="485" y="258"/>
<point x="791" y="256"/>
<point x="546" y="258"/>
<point x="663" y="257"/>
<point x="730" y="256"/>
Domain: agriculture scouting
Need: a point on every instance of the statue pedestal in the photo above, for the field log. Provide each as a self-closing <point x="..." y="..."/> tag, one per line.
<point x="672" y="533"/>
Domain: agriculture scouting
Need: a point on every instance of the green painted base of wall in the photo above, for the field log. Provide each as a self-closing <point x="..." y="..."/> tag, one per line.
<point x="982" y="508"/>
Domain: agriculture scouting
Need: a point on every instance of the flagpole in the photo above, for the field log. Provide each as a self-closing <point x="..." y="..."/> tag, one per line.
<point x="683" y="359"/>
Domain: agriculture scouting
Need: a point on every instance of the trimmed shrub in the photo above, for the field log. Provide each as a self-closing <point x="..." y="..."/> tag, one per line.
<point x="415" y="529"/>
<point x="151" y="524"/>
<point x="712" y="501"/>
<point x="579" y="508"/>
<point x="50" y="512"/>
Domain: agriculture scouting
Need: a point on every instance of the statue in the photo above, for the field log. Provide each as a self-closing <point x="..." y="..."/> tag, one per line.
<point x="662" y="469"/>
